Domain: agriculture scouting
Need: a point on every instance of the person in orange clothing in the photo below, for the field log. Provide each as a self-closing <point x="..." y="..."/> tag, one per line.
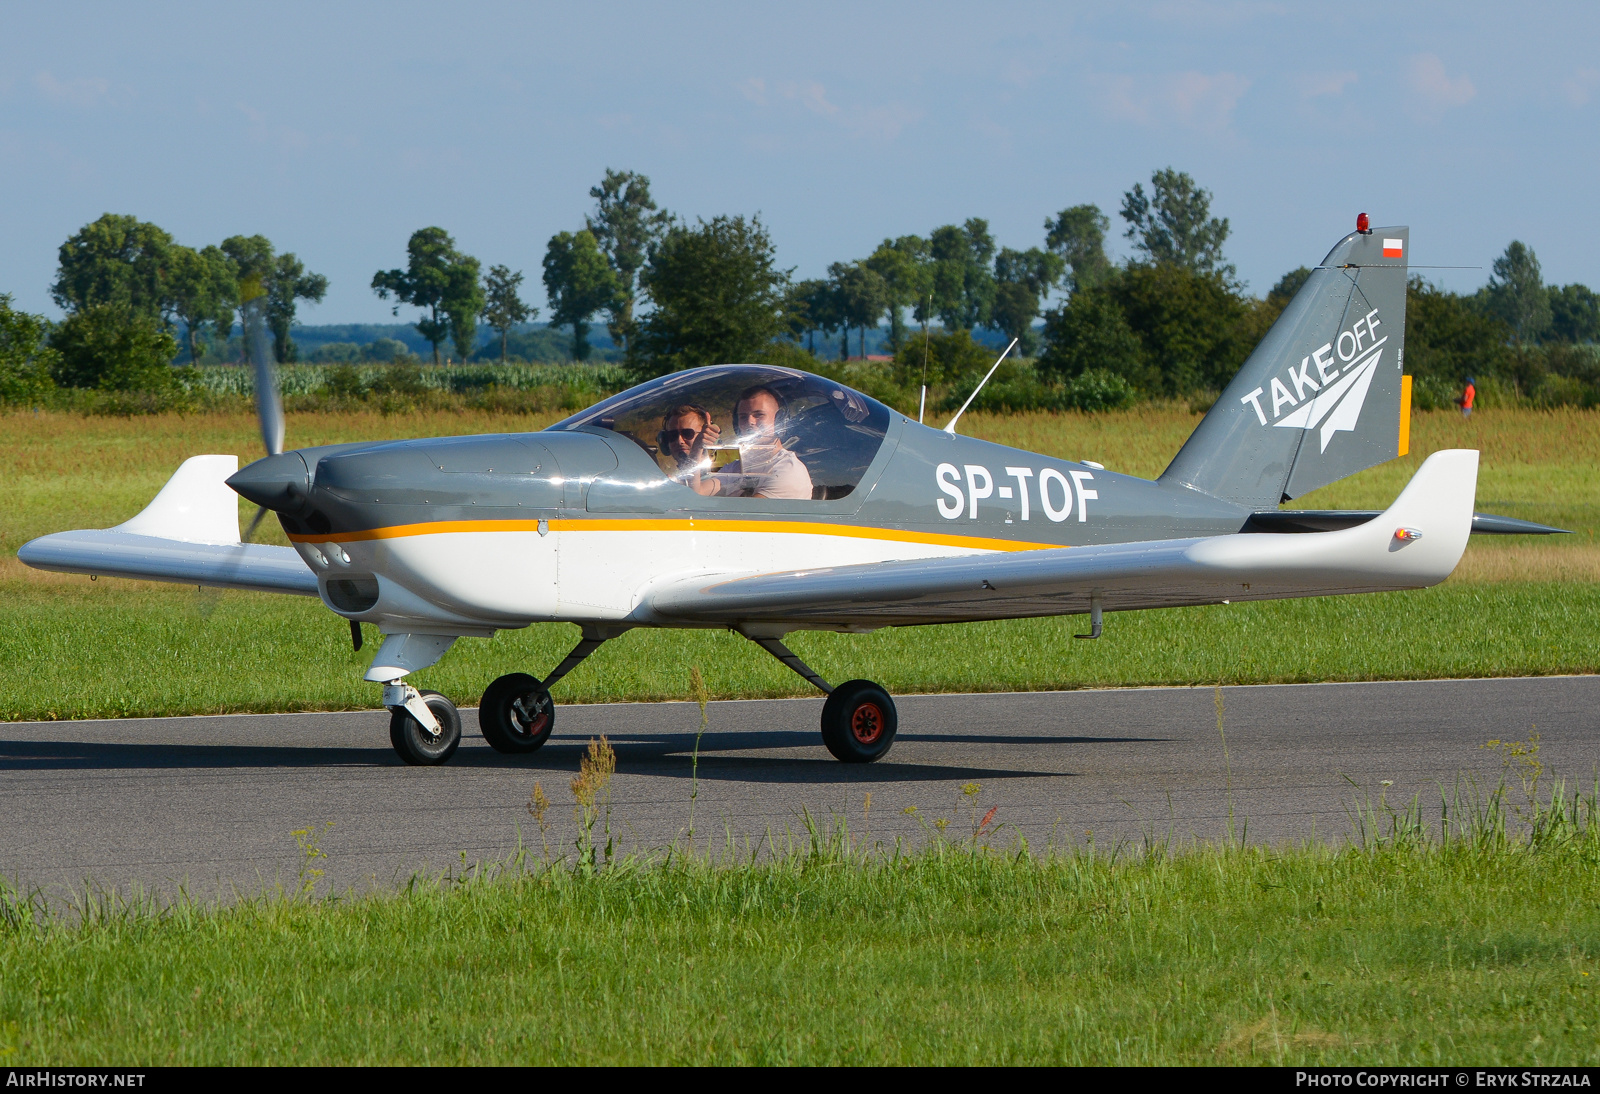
<point x="1467" y="395"/>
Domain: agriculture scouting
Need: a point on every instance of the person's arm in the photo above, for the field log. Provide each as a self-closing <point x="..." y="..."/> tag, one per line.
<point x="707" y="486"/>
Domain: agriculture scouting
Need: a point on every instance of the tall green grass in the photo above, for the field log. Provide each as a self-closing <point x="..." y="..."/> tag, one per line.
<point x="1475" y="941"/>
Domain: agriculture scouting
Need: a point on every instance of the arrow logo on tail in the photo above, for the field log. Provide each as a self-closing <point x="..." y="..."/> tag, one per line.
<point x="1341" y="403"/>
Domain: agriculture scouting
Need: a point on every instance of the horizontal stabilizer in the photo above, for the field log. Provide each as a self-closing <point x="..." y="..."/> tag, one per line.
<point x="1415" y="543"/>
<point x="1331" y="520"/>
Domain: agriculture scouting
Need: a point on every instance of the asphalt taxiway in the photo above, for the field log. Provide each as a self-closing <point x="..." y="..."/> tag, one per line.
<point x="210" y="802"/>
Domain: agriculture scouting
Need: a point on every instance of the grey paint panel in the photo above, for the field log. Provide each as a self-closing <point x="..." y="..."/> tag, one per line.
<point x="253" y="566"/>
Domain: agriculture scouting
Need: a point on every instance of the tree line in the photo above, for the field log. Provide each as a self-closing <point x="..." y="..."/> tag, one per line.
<point x="1172" y="320"/>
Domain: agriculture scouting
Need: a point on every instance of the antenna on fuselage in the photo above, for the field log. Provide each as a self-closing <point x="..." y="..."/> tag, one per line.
<point x="922" y="405"/>
<point x="950" y="427"/>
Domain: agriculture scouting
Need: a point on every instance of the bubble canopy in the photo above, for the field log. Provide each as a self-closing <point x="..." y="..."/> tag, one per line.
<point x="748" y="430"/>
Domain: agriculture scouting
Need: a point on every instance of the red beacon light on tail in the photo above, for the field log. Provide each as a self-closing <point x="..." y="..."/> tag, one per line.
<point x="1363" y="225"/>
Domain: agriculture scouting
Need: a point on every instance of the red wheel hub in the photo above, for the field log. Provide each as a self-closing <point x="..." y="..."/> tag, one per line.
<point x="866" y="722"/>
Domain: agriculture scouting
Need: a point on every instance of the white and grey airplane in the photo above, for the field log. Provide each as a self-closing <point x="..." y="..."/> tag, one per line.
<point x="767" y="500"/>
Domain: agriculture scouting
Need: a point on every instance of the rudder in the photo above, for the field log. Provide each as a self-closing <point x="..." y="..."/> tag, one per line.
<point x="1322" y="395"/>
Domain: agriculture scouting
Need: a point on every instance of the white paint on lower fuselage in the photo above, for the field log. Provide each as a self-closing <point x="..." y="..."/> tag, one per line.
<point x="512" y="579"/>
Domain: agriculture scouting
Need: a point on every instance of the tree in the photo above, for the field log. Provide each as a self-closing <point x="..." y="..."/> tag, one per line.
<point x="26" y="359"/>
<point x="287" y="283"/>
<point x="1090" y="332"/>
<point x="1022" y="279"/>
<point x="962" y="284"/>
<point x="253" y="260"/>
<point x="503" y="308"/>
<point x="115" y="348"/>
<point x="1448" y="337"/>
<point x="1516" y="293"/>
<point x="1194" y="328"/>
<point x="437" y="278"/>
<point x="941" y="357"/>
<point x="1574" y="314"/>
<point x="808" y="308"/>
<point x="462" y="302"/>
<point x="904" y="265"/>
<point x="1173" y="226"/>
<point x="117" y="260"/>
<point x="579" y="282"/>
<point x="1078" y="235"/>
<point x="718" y="296"/>
<point x="862" y="297"/>
<point x="626" y="226"/>
<point x="203" y="287"/>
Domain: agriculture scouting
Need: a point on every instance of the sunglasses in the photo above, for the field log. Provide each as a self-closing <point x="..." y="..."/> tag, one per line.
<point x="684" y="435"/>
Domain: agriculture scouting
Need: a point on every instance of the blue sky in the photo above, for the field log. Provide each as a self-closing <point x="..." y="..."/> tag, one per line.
<point x="337" y="129"/>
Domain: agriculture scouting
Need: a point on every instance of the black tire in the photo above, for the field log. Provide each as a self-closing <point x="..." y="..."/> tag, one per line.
<point x="516" y="714"/>
<point x="416" y="745"/>
<point x="859" y="722"/>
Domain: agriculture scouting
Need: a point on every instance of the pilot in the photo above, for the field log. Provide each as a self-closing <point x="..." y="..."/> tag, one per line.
<point x="764" y="469"/>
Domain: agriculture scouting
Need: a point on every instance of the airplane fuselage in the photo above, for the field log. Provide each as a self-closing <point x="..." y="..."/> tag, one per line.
<point x="476" y="534"/>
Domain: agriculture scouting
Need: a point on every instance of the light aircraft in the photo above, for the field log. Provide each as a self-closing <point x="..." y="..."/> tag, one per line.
<point x="767" y="500"/>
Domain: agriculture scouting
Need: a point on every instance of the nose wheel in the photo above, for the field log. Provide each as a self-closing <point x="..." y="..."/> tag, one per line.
<point x="419" y="745"/>
<point x="859" y="722"/>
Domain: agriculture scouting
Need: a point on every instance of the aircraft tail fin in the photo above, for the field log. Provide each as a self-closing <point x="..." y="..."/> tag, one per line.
<point x="1324" y="395"/>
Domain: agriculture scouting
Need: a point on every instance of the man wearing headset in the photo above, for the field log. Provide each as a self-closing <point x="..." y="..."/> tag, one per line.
<point x="764" y="469"/>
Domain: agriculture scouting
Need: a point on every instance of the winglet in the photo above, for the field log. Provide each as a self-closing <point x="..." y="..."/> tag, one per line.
<point x="1438" y="503"/>
<point x="1414" y="543"/>
<point x="196" y="505"/>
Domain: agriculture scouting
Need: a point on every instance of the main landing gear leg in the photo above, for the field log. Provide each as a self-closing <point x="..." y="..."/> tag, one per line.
<point x="858" y="720"/>
<point x="517" y="714"/>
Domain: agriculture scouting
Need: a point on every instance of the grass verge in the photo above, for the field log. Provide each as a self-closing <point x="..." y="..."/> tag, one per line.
<point x="82" y="649"/>
<point x="1406" y="946"/>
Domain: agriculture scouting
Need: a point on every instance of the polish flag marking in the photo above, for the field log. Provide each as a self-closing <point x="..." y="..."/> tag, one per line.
<point x="1392" y="248"/>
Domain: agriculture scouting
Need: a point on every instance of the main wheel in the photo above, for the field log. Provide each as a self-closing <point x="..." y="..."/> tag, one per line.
<point x="859" y="722"/>
<point x="516" y="714"/>
<point x="420" y="746"/>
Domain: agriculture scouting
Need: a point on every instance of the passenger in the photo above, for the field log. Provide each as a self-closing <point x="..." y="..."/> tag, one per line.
<point x="686" y="432"/>
<point x="764" y="469"/>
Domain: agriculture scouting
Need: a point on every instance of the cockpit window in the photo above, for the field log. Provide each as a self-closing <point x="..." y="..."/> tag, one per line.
<point x="748" y="430"/>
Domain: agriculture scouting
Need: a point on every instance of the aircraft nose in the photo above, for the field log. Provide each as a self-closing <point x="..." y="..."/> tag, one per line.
<point x="280" y="483"/>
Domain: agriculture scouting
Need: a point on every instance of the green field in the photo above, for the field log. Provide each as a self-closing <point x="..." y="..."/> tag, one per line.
<point x="76" y="648"/>
<point x="1475" y="951"/>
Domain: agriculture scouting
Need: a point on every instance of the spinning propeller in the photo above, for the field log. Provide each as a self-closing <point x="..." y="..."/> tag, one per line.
<point x="269" y="405"/>
<point x="269" y="401"/>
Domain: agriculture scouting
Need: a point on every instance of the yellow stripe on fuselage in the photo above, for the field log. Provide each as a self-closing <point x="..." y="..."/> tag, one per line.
<point x="785" y="527"/>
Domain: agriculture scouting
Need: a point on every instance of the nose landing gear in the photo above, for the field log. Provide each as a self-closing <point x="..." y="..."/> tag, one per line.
<point x="423" y="745"/>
